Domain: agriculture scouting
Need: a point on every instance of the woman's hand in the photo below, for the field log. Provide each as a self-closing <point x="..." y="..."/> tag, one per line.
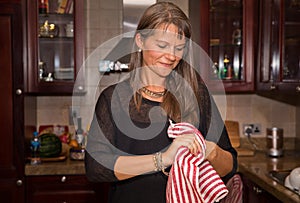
<point x="185" y="140"/>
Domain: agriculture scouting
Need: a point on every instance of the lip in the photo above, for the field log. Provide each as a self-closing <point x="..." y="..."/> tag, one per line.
<point x="166" y="65"/>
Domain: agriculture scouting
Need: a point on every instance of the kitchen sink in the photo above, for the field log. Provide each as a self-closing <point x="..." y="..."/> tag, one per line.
<point x="279" y="176"/>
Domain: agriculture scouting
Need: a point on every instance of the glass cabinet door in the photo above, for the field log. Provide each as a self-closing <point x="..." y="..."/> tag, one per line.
<point x="278" y="75"/>
<point x="279" y="58"/>
<point x="56" y="45"/>
<point x="291" y="41"/>
<point x="228" y="34"/>
<point x="226" y="50"/>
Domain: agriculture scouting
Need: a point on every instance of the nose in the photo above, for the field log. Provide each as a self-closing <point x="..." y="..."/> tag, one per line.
<point x="171" y="54"/>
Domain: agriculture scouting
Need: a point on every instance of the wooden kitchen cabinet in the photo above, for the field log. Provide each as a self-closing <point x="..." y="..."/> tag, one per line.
<point x="55" y="47"/>
<point x="11" y="102"/>
<point x="278" y="54"/>
<point x="64" y="188"/>
<point x="252" y="193"/>
<point x="228" y="33"/>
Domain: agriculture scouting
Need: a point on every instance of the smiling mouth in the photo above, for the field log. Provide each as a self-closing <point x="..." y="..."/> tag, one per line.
<point x="166" y="65"/>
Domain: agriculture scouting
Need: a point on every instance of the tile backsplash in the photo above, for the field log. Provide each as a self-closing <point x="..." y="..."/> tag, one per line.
<point x="104" y="21"/>
<point x="248" y="109"/>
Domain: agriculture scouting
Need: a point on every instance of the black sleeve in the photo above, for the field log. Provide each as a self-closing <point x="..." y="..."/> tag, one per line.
<point x="101" y="155"/>
<point x="213" y="128"/>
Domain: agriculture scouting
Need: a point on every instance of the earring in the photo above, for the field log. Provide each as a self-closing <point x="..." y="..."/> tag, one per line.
<point x="139" y="50"/>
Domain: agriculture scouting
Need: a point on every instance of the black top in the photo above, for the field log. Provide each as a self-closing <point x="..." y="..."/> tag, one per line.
<point x="118" y="128"/>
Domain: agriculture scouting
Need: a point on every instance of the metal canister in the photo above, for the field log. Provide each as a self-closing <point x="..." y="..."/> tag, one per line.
<point x="275" y="142"/>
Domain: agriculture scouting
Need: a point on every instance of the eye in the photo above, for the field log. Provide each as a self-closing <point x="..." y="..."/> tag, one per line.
<point x="180" y="48"/>
<point x="162" y="46"/>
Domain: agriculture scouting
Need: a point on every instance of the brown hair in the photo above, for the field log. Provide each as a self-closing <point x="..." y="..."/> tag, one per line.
<point x="176" y="104"/>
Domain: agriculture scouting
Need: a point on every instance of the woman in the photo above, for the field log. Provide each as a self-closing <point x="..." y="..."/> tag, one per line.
<point x="132" y="117"/>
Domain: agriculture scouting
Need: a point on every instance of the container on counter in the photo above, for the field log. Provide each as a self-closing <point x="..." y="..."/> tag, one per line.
<point x="275" y="142"/>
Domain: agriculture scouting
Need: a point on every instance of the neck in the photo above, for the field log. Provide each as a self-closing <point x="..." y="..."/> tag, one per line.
<point x="152" y="81"/>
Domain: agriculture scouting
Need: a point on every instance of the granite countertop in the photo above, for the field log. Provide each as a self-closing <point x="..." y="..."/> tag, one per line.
<point x="66" y="167"/>
<point x="257" y="168"/>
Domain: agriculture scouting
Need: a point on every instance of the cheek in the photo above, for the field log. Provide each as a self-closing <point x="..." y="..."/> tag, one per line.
<point x="150" y="55"/>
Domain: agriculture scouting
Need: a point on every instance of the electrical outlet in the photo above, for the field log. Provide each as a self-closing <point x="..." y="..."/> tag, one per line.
<point x="256" y="128"/>
<point x="252" y="129"/>
<point x="74" y="112"/>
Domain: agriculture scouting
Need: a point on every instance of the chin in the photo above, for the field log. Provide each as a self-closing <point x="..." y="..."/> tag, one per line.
<point x="165" y="73"/>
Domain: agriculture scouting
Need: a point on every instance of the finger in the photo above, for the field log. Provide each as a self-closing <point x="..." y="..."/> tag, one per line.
<point x="198" y="146"/>
<point x="193" y="147"/>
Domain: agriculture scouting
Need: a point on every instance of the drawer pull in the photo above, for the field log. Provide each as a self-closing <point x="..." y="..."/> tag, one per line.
<point x="80" y="88"/>
<point x="257" y="190"/>
<point x="273" y="87"/>
<point x="19" y="92"/>
<point x="19" y="182"/>
<point x="63" y="179"/>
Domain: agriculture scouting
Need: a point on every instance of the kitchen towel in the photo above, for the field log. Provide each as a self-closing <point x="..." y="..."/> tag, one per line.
<point x="192" y="178"/>
<point x="235" y="188"/>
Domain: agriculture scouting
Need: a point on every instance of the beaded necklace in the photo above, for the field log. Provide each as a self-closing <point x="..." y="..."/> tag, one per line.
<point x="153" y="94"/>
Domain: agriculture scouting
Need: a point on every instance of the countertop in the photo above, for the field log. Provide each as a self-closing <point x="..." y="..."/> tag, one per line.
<point x="66" y="167"/>
<point x="257" y="168"/>
<point x="254" y="167"/>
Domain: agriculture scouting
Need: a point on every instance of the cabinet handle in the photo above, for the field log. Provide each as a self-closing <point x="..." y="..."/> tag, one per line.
<point x="273" y="87"/>
<point x="257" y="190"/>
<point x="80" y="88"/>
<point x="18" y="91"/>
<point x="19" y="182"/>
<point x="298" y="89"/>
<point x="63" y="179"/>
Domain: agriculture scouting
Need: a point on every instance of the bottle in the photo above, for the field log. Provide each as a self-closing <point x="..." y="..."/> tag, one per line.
<point x="43" y="7"/>
<point x="35" y="149"/>
<point x="237" y="34"/>
<point x="226" y="66"/>
<point x="79" y="132"/>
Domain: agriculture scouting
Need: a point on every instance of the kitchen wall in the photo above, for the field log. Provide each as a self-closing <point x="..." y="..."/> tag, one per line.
<point x="103" y="22"/>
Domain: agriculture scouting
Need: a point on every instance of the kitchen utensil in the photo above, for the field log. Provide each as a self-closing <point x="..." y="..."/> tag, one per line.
<point x="233" y="132"/>
<point x="234" y="136"/>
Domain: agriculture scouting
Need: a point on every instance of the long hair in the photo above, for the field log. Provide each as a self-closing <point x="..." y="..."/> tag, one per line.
<point x="177" y="104"/>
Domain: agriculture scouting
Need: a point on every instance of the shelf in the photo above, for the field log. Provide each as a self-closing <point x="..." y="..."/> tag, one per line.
<point x="57" y="39"/>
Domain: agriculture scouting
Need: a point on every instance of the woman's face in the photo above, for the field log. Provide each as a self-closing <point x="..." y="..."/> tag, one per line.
<point x="163" y="50"/>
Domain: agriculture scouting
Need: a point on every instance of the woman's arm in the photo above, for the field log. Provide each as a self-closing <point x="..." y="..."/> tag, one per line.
<point x="221" y="160"/>
<point x="100" y="152"/>
<point x="130" y="166"/>
<point x="220" y="153"/>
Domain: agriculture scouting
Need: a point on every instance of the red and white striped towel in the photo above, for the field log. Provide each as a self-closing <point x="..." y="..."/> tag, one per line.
<point x="192" y="179"/>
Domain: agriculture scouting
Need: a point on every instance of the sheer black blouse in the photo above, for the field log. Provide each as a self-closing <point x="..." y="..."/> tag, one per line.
<point x="118" y="128"/>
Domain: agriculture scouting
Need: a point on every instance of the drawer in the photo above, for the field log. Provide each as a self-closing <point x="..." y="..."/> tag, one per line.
<point x="64" y="188"/>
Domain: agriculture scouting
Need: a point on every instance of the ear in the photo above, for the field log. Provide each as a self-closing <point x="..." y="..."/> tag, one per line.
<point x="139" y="40"/>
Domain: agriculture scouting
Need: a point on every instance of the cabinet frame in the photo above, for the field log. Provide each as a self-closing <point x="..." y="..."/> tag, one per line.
<point x="33" y="85"/>
<point x="250" y="25"/>
<point x="270" y="80"/>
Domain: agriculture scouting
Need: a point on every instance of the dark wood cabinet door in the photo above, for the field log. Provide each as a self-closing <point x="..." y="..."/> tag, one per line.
<point x="278" y="74"/>
<point x="65" y="188"/>
<point x="55" y="55"/>
<point x="252" y="193"/>
<point x="228" y="34"/>
<point x="11" y="103"/>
